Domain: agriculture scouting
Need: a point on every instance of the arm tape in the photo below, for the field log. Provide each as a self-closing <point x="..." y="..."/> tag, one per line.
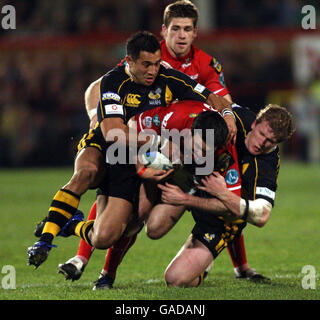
<point x="254" y="209"/>
<point x="92" y="113"/>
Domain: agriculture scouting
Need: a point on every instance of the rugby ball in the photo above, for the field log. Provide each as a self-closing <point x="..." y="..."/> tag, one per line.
<point x="156" y="160"/>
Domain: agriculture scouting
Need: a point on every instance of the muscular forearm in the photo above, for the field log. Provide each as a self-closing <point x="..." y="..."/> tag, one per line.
<point x="231" y="201"/>
<point x="210" y="205"/>
<point x="219" y="103"/>
<point x="257" y="211"/>
<point x="115" y="130"/>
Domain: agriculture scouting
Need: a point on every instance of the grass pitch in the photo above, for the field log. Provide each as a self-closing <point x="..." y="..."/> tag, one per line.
<point x="280" y="250"/>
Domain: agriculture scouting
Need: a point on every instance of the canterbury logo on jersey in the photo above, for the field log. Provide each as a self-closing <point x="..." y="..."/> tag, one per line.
<point x="133" y="100"/>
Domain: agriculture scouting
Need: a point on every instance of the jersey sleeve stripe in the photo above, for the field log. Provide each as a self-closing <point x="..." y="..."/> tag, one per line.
<point x="242" y="125"/>
<point x="186" y="84"/>
<point x="255" y="178"/>
<point x="235" y="188"/>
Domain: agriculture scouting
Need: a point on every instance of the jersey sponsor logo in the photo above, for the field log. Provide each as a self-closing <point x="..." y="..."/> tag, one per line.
<point x="199" y="88"/>
<point x="186" y="65"/>
<point x="193" y="115"/>
<point x="225" y="160"/>
<point x="263" y="191"/>
<point x="209" y="236"/>
<point x="133" y="100"/>
<point x="113" y="109"/>
<point x="110" y="95"/>
<point x="216" y="65"/>
<point x="147" y="122"/>
<point x="232" y="176"/>
<point x="155" y="94"/>
<point x="156" y="120"/>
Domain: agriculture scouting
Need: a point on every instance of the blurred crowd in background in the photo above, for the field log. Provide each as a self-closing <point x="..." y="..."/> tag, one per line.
<point x="54" y="54"/>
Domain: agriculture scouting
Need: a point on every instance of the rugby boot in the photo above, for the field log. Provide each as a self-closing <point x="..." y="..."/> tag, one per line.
<point x="72" y="269"/>
<point x="38" y="253"/>
<point x="104" y="282"/>
<point x="251" y="274"/>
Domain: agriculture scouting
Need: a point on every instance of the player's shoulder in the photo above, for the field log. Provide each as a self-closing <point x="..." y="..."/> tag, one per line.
<point x="115" y="77"/>
<point x="118" y="72"/>
<point x="206" y="59"/>
<point x="244" y="117"/>
<point x="270" y="160"/>
<point x="200" y="54"/>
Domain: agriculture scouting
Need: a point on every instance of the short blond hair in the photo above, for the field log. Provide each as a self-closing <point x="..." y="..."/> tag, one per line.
<point x="279" y="119"/>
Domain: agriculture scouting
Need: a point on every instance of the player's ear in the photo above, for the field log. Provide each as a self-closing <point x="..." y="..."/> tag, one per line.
<point x="129" y="60"/>
<point x="195" y="32"/>
<point x="253" y="125"/>
<point x="164" y="31"/>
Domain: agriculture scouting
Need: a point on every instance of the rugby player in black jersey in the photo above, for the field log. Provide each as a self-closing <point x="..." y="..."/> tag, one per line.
<point x="139" y="84"/>
<point x="259" y="160"/>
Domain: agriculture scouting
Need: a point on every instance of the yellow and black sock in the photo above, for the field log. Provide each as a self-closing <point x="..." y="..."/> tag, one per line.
<point x="64" y="205"/>
<point x="82" y="228"/>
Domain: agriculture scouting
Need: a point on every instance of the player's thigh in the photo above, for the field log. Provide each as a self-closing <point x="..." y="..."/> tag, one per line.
<point x="162" y="218"/>
<point x="148" y="197"/>
<point x="190" y="262"/>
<point x="114" y="218"/>
<point x="90" y="160"/>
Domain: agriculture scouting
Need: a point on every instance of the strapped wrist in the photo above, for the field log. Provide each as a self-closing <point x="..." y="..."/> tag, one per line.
<point x="227" y="111"/>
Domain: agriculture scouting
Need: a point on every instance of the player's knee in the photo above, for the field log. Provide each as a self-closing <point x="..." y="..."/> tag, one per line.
<point x="155" y="229"/>
<point x="153" y="233"/>
<point x="174" y="279"/>
<point x="104" y="238"/>
<point x="101" y="241"/>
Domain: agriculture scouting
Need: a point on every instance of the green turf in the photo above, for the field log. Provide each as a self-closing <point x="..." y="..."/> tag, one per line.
<point x="279" y="250"/>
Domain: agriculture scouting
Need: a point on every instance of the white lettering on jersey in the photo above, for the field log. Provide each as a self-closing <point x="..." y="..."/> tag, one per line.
<point x="110" y="95"/>
<point x="265" y="192"/>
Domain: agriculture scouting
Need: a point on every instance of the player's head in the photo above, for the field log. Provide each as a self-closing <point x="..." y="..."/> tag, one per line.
<point x="208" y="120"/>
<point x="273" y="125"/>
<point x="143" y="57"/>
<point x="179" y="27"/>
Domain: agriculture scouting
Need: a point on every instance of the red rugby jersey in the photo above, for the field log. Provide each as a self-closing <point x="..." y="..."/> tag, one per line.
<point x="200" y="66"/>
<point x="180" y="115"/>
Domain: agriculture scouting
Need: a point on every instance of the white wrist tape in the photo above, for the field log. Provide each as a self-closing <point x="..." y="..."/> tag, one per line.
<point x="227" y="111"/>
<point x="92" y="113"/>
<point x="255" y="209"/>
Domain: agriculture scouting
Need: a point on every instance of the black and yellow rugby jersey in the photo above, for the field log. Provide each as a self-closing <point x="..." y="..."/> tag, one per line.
<point x="121" y="97"/>
<point x="259" y="173"/>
